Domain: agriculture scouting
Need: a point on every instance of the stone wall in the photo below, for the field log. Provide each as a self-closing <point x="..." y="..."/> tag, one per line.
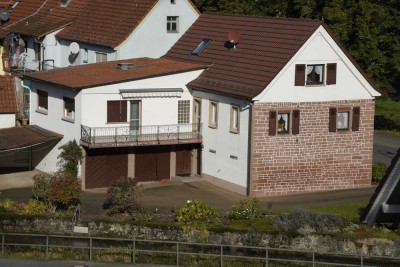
<point x="313" y="242"/>
<point x="315" y="159"/>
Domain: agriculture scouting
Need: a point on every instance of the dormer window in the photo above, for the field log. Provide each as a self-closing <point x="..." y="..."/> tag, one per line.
<point x="202" y="45"/>
<point x="315" y="74"/>
<point x="64" y="3"/>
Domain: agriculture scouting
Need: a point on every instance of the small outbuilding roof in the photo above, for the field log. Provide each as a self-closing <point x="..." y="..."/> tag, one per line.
<point x="98" y="74"/>
<point x="25" y="136"/>
<point x="8" y="102"/>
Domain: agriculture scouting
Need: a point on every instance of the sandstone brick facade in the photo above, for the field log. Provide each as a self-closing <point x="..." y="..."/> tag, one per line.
<point x="315" y="159"/>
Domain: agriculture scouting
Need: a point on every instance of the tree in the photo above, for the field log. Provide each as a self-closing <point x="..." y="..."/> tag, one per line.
<point x="69" y="158"/>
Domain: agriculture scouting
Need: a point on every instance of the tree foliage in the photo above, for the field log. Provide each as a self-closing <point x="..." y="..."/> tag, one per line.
<point x="369" y="29"/>
<point x="69" y="158"/>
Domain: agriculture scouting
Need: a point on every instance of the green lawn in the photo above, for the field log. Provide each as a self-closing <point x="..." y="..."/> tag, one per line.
<point x="348" y="211"/>
<point x="387" y="115"/>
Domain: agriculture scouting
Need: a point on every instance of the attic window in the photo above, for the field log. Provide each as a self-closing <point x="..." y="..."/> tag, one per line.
<point x="65" y="3"/>
<point x="202" y="45"/>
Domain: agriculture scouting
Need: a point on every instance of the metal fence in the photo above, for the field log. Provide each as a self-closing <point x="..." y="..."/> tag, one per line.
<point x="173" y="253"/>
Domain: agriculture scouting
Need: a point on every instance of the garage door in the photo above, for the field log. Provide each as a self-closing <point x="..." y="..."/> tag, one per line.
<point x="104" y="166"/>
<point x="152" y="163"/>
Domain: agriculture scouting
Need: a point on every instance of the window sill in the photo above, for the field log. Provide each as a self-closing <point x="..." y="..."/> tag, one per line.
<point x="68" y="119"/>
<point x="117" y="122"/>
<point x="172" y="31"/>
<point x="42" y="111"/>
<point x="213" y="126"/>
<point x="316" y="85"/>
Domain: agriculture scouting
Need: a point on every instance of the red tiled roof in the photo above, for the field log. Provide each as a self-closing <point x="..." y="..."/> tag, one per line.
<point x="8" y="102"/>
<point x="46" y="18"/>
<point x="90" y="75"/>
<point x="107" y="22"/>
<point x="266" y="45"/>
<point x="20" y="137"/>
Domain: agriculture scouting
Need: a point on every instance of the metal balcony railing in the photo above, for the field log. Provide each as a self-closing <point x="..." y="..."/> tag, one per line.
<point x="140" y="135"/>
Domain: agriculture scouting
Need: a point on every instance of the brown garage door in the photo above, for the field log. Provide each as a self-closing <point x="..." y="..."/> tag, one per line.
<point x="152" y="163"/>
<point x="104" y="166"/>
<point x="184" y="160"/>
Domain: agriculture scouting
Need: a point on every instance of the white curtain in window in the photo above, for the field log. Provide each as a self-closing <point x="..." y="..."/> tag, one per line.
<point x="309" y="69"/>
<point x="318" y="70"/>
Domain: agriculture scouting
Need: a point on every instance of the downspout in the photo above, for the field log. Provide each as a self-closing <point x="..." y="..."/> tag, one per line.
<point x="250" y="151"/>
<point x="23" y="101"/>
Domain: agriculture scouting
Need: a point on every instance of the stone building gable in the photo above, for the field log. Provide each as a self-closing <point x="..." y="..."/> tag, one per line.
<point x="315" y="159"/>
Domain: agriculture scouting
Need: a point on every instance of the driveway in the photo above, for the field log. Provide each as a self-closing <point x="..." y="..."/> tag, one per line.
<point x="385" y="147"/>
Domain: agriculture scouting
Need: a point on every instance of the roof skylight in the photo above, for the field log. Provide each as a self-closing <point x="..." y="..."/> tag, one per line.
<point x="202" y="45"/>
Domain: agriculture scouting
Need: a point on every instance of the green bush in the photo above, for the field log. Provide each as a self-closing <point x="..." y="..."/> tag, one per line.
<point x="59" y="190"/>
<point x="123" y="197"/>
<point x="69" y="158"/>
<point x="307" y="222"/>
<point x="378" y="171"/>
<point x="33" y="207"/>
<point x="197" y="214"/>
<point x="248" y="209"/>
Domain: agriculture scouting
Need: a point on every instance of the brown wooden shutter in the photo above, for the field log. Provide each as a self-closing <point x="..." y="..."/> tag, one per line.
<point x="124" y="111"/>
<point x="69" y="103"/>
<point x="296" y="122"/>
<point x="43" y="101"/>
<point x="300" y="75"/>
<point x="356" y="119"/>
<point x="117" y="111"/>
<point x="272" y="123"/>
<point x="332" y="119"/>
<point x="331" y="73"/>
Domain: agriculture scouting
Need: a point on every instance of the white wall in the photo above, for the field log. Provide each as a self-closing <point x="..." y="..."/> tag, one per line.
<point x="155" y="111"/>
<point x="319" y="49"/>
<point x="150" y="38"/>
<point x="225" y="143"/>
<point x="53" y="121"/>
<point x="7" y="120"/>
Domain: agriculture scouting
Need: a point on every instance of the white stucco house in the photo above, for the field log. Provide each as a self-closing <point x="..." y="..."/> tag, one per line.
<point x="133" y="119"/>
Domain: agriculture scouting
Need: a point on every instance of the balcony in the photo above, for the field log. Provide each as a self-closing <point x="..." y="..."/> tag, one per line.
<point x="102" y="137"/>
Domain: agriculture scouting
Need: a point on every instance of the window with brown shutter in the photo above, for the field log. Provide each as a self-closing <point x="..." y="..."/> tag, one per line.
<point x="356" y="119"/>
<point x="332" y="119"/>
<point x="272" y="123"/>
<point x="300" y="74"/>
<point x="42" y="100"/>
<point x="69" y="108"/>
<point x="296" y="122"/>
<point x="331" y="73"/>
<point x="117" y="111"/>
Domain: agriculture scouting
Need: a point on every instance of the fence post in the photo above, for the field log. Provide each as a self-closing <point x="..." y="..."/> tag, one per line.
<point x="313" y="258"/>
<point x="134" y="252"/>
<point x="266" y="257"/>
<point x="90" y="249"/>
<point x="222" y="256"/>
<point x="177" y="254"/>
<point x="47" y="247"/>
<point x="2" y="244"/>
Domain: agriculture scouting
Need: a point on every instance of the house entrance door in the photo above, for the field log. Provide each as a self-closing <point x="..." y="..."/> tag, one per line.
<point x="184" y="161"/>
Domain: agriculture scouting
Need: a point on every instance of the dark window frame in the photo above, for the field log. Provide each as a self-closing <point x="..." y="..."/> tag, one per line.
<point x="43" y="101"/>
<point x="312" y="79"/>
<point x="69" y="105"/>
<point x="171" y="21"/>
<point x="117" y="111"/>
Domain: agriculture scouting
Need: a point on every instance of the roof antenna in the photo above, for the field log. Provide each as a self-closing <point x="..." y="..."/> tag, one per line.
<point x="233" y="39"/>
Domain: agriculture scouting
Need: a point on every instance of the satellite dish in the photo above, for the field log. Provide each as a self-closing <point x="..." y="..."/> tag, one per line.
<point x="74" y="48"/>
<point x="5" y="15"/>
<point x="234" y="37"/>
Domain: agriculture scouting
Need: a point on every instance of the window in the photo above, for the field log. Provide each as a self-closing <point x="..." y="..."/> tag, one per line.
<point x="134" y="122"/>
<point x="69" y="108"/>
<point x="172" y="24"/>
<point x="86" y="55"/>
<point x="315" y="74"/>
<point x="37" y="51"/>
<point x="213" y="114"/>
<point x="183" y="111"/>
<point x="202" y="45"/>
<point x="117" y="111"/>
<point x="344" y="119"/>
<point x="234" y="121"/>
<point x="101" y="57"/>
<point x="42" y="101"/>
<point x="173" y="1"/>
<point x="281" y="122"/>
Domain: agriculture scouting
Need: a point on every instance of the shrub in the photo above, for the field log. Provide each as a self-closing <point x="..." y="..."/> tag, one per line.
<point x="57" y="190"/>
<point x="33" y="207"/>
<point x="8" y="205"/>
<point x="248" y="209"/>
<point x="197" y="214"/>
<point x="124" y="197"/>
<point x="69" y="158"/>
<point x="301" y="221"/>
<point x="378" y="171"/>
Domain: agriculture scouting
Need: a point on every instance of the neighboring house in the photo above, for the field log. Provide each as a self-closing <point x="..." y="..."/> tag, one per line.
<point x="8" y="103"/>
<point x="132" y="118"/>
<point x="284" y="107"/>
